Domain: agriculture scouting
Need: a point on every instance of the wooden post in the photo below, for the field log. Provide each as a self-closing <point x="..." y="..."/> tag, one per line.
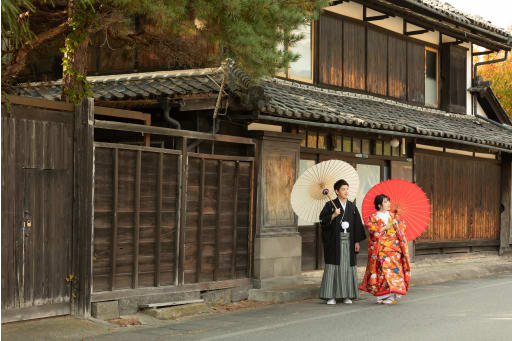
<point x="235" y="222"/>
<point x="404" y="170"/>
<point x="147" y="141"/>
<point x="158" y="234"/>
<point x="506" y="209"/>
<point x="183" y="210"/>
<point x="136" y="236"/>
<point x="202" y="184"/>
<point x="250" y="258"/>
<point x="179" y="179"/>
<point x="83" y="212"/>
<point x="114" y="218"/>
<point x="217" y="224"/>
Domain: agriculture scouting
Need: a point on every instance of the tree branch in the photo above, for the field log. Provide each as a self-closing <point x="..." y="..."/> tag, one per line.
<point x="20" y="55"/>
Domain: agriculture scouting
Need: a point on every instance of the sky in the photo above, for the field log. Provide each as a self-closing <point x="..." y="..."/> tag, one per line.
<point x="499" y="12"/>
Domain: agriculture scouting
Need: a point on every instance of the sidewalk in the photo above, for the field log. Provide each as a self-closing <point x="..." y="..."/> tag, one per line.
<point x="432" y="270"/>
<point x="424" y="272"/>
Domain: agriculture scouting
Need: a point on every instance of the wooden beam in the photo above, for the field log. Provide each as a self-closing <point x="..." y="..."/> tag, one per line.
<point x="217" y="224"/>
<point x="373" y="18"/>
<point x="39" y="103"/>
<point x="147" y="138"/>
<point x="114" y="217"/>
<point x="412" y="33"/>
<point x="235" y="220"/>
<point x="202" y="184"/>
<point x="482" y="53"/>
<point x="183" y="210"/>
<point x="419" y="10"/>
<point x="419" y="20"/>
<point x="179" y="180"/>
<point x="170" y="132"/>
<point x="137" y="148"/>
<point x="121" y="113"/>
<point x="169" y="304"/>
<point x="158" y="234"/>
<point x="506" y="206"/>
<point x="221" y="157"/>
<point x="251" y="217"/>
<point x="129" y="293"/>
<point x="136" y="236"/>
<point x="83" y="206"/>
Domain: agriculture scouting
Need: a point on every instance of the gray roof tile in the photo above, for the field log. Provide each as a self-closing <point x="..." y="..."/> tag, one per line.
<point x="463" y="17"/>
<point x="134" y="86"/>
<point x="311" y="103"/>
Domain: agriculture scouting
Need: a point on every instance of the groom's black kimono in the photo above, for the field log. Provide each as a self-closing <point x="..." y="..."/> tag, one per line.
<point x="331" y="231"/>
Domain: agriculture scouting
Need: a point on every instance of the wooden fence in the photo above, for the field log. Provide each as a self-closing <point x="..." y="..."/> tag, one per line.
<point x="167" y="217"/>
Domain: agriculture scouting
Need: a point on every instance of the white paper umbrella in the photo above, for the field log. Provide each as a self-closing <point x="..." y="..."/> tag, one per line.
<point x="308" y="198"/>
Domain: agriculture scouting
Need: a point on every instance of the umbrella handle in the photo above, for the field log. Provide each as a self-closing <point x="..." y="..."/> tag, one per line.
<point x="325" y="192"/>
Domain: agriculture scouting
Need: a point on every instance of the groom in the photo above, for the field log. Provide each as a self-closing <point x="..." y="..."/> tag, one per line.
<point x="342" y="230"/>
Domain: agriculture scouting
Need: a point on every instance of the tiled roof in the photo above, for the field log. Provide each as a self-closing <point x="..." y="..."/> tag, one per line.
<point x="135" y="86"/>
<point x="462" y="17"/>
<point x="295" y="100"/>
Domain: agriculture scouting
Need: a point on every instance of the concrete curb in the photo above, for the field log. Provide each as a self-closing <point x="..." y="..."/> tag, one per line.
<point x="287" y="294"/>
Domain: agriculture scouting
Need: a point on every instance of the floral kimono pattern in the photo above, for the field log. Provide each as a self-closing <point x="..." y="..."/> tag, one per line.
<point x="388" y="269"/>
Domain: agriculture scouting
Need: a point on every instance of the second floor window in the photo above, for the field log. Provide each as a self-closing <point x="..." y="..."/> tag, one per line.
<point x="431" y="78"/>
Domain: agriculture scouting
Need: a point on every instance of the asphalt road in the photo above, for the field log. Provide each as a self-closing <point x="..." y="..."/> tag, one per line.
<point x="479" y="309"/>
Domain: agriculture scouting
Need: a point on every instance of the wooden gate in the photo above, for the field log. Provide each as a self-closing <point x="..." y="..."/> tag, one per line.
<point x="37" y="206"/>
<point x="167" y="217"/>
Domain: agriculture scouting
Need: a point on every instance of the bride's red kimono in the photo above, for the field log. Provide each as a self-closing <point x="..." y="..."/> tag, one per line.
<point x="388" y="269"/>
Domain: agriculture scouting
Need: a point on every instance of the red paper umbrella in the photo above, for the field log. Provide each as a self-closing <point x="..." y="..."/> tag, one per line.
<point x="407" y="199"/>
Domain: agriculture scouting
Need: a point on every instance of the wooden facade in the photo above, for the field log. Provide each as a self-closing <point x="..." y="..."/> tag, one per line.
<point x="465" y="190"/>
<point x="465" y="196"/>
<point x="360" y="56"/>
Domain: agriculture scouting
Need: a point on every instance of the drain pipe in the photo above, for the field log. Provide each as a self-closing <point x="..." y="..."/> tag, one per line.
<point x="167" y="105"/>
<point x="475" y="76"/>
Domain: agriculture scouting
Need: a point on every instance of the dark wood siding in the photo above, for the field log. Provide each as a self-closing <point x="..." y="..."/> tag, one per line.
<point x="354" y="55"/>
<point x="453" y="76"/>
<point x="397" y="67"/>
<point x="330" y="50"/>
<point x="377" y="62"/>
<point x="458" y="75"/>
<point x="136" y="232"/>
<point x="416" y="72"/>
<point x="217" y="228"/>
<point x="134" y="219"/>
<point x="464" y="195"/>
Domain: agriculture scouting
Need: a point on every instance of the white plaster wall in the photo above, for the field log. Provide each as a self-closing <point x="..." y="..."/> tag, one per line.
<point x="348" y="9"/>
<point x="480" y="111"/>
<point x="395" y="24"/>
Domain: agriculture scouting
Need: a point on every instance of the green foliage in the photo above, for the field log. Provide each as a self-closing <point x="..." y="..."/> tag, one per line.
<point x="15" y="25"/>
<point x="500" y="75"/>
<point x="251" y="32"/>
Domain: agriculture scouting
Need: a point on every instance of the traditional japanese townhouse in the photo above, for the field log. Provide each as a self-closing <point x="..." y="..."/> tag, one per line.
<point x="193" y="169"/>
<point x="390" y="87"/>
